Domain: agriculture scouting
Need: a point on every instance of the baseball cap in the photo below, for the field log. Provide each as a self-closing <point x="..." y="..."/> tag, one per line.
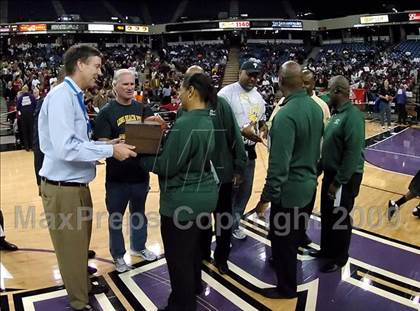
<point x="251" y="67"/>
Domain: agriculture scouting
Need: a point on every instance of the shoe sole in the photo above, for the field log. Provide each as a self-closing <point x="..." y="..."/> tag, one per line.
<point x="141" y="256"/>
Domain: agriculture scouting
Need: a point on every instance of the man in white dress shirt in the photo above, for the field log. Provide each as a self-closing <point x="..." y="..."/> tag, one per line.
<point x="69" y="166"/>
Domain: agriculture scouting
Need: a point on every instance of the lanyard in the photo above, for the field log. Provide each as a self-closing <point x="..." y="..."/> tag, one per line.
<point x="82" y="106"/>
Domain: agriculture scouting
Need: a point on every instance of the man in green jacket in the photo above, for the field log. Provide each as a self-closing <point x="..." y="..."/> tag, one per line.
<point x="342" y="162"/>
<point x="291" y="178"/>
<point x="229" y="160"/>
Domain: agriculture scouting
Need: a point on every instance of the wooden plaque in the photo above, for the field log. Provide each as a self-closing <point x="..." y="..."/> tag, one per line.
<point x="145" y="136"/>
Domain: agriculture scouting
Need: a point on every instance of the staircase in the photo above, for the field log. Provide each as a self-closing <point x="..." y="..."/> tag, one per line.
<point x="314" y="53"/>
<point x="232" y="67"/>
<point x="4" y="124"/>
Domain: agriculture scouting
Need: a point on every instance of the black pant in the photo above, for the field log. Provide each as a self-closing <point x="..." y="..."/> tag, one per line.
<point x="1" y="224"/>
<point x="27" y="123"/>
<point x="182" y="252"/>
<point x="223" y="227"/>
<point x="310" y="209"/>
<point x="418" y="112"/>
<point x="38" y="160"/>
<point x="287" y="227"/>
<point x="336" y="222"/>
<point x="402" y="114"/>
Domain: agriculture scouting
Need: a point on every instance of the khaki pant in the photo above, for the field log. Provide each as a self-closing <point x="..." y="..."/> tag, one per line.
<point x="68" y="211"/>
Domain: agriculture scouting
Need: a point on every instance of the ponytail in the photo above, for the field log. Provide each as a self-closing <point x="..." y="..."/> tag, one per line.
<point x="203" y="84"/>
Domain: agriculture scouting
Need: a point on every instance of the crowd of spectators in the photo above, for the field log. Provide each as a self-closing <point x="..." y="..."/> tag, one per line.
<point x="159" y="73"/>
<point x="366" y="67"/>
<point x="39" y="67"/>
<point x="271" y="56"/>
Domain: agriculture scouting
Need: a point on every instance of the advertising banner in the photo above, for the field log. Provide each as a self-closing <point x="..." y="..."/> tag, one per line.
<point x="32" y="27"/>
<point x="234" y="25"/>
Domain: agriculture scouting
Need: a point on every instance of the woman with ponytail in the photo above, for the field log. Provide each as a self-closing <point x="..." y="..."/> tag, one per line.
<point x="188" y="190"/>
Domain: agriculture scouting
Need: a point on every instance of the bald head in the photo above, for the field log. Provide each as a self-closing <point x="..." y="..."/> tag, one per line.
<point x="291" y="76"/>
<point x="307" y="74"/>
<point x="308" y="81"/>
<point x="193" y="70"/>
<point x="339" y="84"/>
<point x="339" y="89"/>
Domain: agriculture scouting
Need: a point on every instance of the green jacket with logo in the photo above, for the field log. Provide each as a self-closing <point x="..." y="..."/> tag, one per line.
<point x="295" y="150"/>
<point x="229" y="155"/>
<point x="186" y="181"/>
<point x="344" y="142"/>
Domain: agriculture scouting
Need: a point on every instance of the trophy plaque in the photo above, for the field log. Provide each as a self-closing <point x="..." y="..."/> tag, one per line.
<point x="145" y="136"/>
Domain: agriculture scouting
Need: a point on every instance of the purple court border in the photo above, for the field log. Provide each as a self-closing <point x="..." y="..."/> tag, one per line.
<point x="398" y="153"/>
<point x="55" y="303"/>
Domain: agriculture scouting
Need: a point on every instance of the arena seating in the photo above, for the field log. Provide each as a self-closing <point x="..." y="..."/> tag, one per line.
<point x="271" y="57"/>
<point x="411" y="46"/>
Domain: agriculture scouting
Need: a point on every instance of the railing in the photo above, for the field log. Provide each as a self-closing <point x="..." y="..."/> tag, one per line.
<point x="6" y="113"/>
<point x="2" y="115"/>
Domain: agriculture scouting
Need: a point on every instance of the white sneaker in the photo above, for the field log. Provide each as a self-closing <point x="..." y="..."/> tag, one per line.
<point x="145" y="254"/>
<point x="392" y="209"/>
<point x="239" y="234"/>
<point x="120" y="265"/>
<point x="416" y="211"/>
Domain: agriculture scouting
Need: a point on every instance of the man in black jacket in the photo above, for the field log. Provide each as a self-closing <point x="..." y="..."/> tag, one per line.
<point x="38" y="155"/>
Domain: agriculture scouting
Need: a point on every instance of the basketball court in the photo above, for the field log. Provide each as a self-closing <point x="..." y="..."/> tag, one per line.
<point x="382" y="272"/>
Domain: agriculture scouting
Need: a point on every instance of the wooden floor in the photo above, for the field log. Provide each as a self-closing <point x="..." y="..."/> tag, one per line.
<point x="37" y="267"/>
